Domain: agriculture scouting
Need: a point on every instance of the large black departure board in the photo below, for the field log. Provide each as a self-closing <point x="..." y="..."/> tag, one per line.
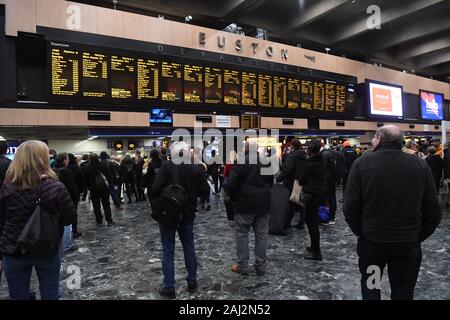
<point x="65" y="72"/>
<point x="279" y="92"/>
<point x="171" y="81"/>
<point x="293" y="93"/>
<point x="213" y="85"/>
<point x="147" y="79"/>
<point x="99" y="75"/>
<point x="95" y="75"/>
<point x="123" y="77"/>
<point x="249" y="87"/>
<point x="231" y="87"/>
<point x="265" y="87"/>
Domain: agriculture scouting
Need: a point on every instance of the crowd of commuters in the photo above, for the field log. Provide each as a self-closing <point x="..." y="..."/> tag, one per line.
<point x="390" y="202"/>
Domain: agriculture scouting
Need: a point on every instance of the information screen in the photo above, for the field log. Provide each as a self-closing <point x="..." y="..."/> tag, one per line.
<point x="123" y="77"/>
<point x="193" y="84"/>
<point x="95" y="75"/>
<point x="249" y="86"/>
<point x="307" y="97"/>
<point x="250" y="121"/>
<point x="213" y="85"/>
<point x="65" y="72"/>
<point x="293" y="93"/>
<point x="147" y="79"/>
<point x="341" y="97"/>
<point x="330" y="96"/>
<point x="265" y="90"/>
<point x="171" y="81"/>
<point x="431" y="105"/>
<point x="319" y="96"/>
<point x="279" y="92"/>
<point x="231" y="87"/>
<point x="385" y="100"/>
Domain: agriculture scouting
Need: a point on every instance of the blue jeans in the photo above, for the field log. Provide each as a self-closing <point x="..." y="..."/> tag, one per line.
<point x="185" y="232"/>
<point x="18" y="275"/>
<point x="67" y="238"/>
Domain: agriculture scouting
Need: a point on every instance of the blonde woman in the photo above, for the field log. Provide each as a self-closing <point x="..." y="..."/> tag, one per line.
<point x="28" y="178"/>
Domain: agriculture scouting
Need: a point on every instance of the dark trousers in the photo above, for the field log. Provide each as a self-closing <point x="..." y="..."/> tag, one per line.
<point x="344" y="183"/>
<point x="215" y="180"/>
<point x="312" y="221"/>
<point x="186" y="234"/>
<point x="75" y="220"/>
<point x="293" y="208"/>
<point x="403" y="261"/>
<point x="140" y="188"/>
<point x="130" y="187"/>
<point x="331" y="197"/>
<point x="18" y="271"/>
<point x="102" y="197"/>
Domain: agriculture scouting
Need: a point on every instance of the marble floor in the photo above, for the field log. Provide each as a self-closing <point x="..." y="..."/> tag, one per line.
<point x="124" y="261"/>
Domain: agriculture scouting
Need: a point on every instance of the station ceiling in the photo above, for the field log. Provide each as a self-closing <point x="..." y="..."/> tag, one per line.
<point x="414" y="35"/>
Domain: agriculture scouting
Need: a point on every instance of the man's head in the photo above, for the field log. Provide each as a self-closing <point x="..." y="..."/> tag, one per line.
<point x="388" y="134"/>
<point x="52" y="153"/>
<point x="346" y="144"/>
<point x="103" y="155"/>
<point x="412" y="145"/>
<point x="62" y="160"/>
<point x="3" y="147"/>
<point x="296" y="144"/>
<point x="436" y="142"/>
<point x="432" y="150"/>
<point x="314" y="146"/>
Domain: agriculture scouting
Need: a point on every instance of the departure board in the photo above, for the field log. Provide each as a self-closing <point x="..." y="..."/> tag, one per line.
<point x="293" y="93"/>
<point x="171" y="81"/>
<point x="249" y="86"/>
<point x="319" y="96"/>
<point x="250" y="121"/>
<point x="95" y="75"/>
<point x="193" y="83"/>
<point x="265" y="90"/>
<point x="307" y="97"/>
<point x="147" y="79"/>
<point x="341" y="97"/>
<point x="123" y="77"/>
<point x="231" y="87"/>
<point x="330" y="96"/>
<point x="350" y="105"/>
<point x="65" y="72"/>
<point x="279" y="92"/>
<point x="213" y="85"/>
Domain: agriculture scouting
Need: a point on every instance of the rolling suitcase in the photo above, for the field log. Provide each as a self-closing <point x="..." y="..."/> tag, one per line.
<point x="279" y="210"/>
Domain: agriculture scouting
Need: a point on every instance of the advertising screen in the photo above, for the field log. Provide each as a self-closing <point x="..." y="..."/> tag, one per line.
<point x="431" y="105"/>
<point x="160" y="116"/>
<point x="385" y="100"/>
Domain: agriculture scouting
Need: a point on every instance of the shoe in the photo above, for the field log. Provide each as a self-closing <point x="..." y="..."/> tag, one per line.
<point x="208" y="208"/>
<point x="99" y="223"/>
<point x="76" y="235"/>
<point x="329" y="223"/>
<point x="313" y="256"/>
<point x="192" y="287"/>
<point x="111" y="223"/>
<point x="236" y="269"/>
<point x="168" y="293"/>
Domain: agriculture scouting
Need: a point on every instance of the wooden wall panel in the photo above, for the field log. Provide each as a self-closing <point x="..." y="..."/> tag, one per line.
<point x="277" y="123"/>
<point x="24" y="15"/>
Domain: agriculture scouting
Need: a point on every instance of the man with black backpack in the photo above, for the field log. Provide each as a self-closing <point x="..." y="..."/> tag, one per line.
<point x="99" y="188"/>
<point x="176" y="189"/>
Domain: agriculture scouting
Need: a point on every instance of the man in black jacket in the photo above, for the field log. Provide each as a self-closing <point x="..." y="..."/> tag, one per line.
<point x="4" y="162"/>
<point x="191" y="178"/>
<point x="292" y="170"/>
<point x="392" y="206"/>
<point x="109" y="172"/>
<point x="250" y="191"/>
<point x="332" y="173"/>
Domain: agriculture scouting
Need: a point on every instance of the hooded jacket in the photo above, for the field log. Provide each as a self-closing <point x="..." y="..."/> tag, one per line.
<point x="293" y="169"/>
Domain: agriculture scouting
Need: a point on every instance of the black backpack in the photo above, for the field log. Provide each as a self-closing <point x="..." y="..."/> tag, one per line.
<point x="40" y="236"/>
<point x="101" y="183"/>
<point x="172" y="203"/>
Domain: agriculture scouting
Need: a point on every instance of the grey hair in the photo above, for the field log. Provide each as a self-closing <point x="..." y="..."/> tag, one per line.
<point x="410" y="143"/>
<point x="390" y="133"/>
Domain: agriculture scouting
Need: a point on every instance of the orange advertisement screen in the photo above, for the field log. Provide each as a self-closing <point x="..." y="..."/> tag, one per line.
<point x="385" y="100"/>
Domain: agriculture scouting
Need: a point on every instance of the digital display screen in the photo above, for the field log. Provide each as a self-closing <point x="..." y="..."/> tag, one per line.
<point x="95" y="75"/>
<point x="65" y="72"/>
<point x="249" y="87"/>
<point x="231" y="87"/>
<point x="431" y="105"/>
<point x="330" y="96"/>
<point x="123" y="77"/>
<point x="213" y="85"/>
<point x="319" y="96"/>
<point x="279" y="92"/>
<point x="171" y="81"/>
<point x="293" y="93"/>
<point x="265" y="90"/>
<point x="193" y="84"/>
<point x="250" y="121"/>
<point x="147" y="79"/>
<point x="307" y="94"/>
<point x="160" y="116"/>
<point x="385" y="100"/>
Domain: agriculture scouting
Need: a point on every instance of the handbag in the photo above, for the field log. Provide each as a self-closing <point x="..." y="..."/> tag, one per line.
<point x="40" y="236"/>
